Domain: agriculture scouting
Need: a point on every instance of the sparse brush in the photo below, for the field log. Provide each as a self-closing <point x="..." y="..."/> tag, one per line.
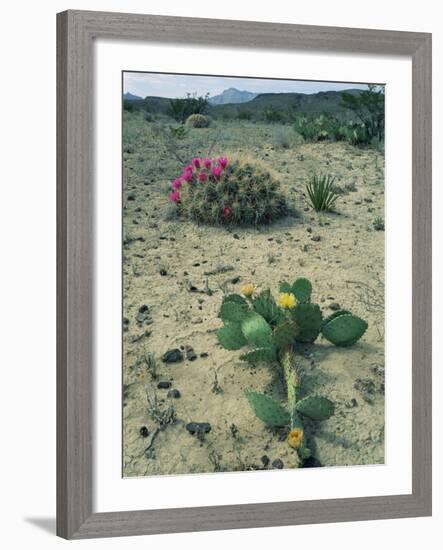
<point x="151" y="364"/>
<point x="162" y="416"/>
<point x="322" y="192"/>
<point x="283" y="138"/>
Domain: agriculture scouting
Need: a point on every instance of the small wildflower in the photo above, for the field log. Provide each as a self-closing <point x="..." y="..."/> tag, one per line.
<point x="196" y="163"/>
<point x="223" y="162"/>
<point x="216" y="172"/>
<point x="227" y="212"/>
<point x="187" y="175"/>
<point x="295" y="438"/>
<point x="286" y="300"/>
<point x="203" y="176"/>
<point x="174" y="196"/>
<point x="248" y="289"/>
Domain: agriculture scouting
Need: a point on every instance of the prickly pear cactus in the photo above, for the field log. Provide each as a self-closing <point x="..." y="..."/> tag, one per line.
<point x="344" y="330"/>
<point x="308" y="318"/>
<point x="284" y="334"/>
<point x="256" y="330"/>
<point x="267" y="409"/>
<point x="302" y="290"/>
<point x="334" y="315"/>
<point x="266" y="306"/>
<point x="231" y="337"/>
<point x="315" y="407"/>
<point x="260" y="355"/>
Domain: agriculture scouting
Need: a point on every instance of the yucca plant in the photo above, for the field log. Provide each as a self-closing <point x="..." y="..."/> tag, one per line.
<point x="322" y="192"/>
<point x="271" y="329"/>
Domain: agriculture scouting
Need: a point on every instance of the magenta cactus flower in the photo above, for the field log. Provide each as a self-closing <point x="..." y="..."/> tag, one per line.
<point x="196" y="163"/>
<point x="223" y="162"/>
<point x="174" y="196"/>
<point x="227" y="212"/>
<point x="207" y="163"/>
<point x="176" y="184"/>
<point x="216" y="172"/>
<point x="203" y="176"/>
<point x="187" y="175"/>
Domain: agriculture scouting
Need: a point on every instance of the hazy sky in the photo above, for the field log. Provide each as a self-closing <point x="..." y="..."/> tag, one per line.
<point x="170" y="85"/>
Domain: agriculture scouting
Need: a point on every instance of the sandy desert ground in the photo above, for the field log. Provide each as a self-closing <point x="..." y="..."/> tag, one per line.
<point x="175" y="274"/>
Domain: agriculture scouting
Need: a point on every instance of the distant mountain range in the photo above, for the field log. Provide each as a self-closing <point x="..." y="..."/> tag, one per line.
<point x="232" y="95"/>
<point x="131" y="97"/>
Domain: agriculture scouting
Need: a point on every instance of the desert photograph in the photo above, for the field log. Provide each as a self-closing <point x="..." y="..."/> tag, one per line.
<point x="253" y="274"/>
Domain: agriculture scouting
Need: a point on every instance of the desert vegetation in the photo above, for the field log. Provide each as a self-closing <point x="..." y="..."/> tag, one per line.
<point x="222" y="203"/>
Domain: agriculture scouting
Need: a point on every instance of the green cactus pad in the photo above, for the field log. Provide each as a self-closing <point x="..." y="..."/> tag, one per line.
<point x="233" y="312"/>
<point x="231" y="337"/>
<point x="260" y="355"/>
<point x="285" y="288"/>
<point x="344" y="330"/>
<point x="334" y="315"/>
<point x="266" y="306"/>
<point x="315" y="407"/>
<point x="302" y="290"/>
<point x="236" y="298"/>
<point x="256" y="330"/>
<point x="284" y="334"/>
<point x="267" y="409"/>
<point x="308" y="318"/>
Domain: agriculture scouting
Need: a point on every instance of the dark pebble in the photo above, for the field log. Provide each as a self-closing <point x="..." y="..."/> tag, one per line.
<point x="174" y="394"/>
<point x="163" y="272"/>
<point x="198" y="427"/>
<point x="190" y="354"/>
<point x="235" y="280"/>
<point x="334" y="306"/>
<point x="204" y="354"/>
<point x="173" y="356"/>
<point x="143" y="314"/>
<point x="316" y="238"/>
<point x="163" y="385"/>
<point x="277" y="463"/>
<point x="144" y="432"/>
<point x="236" y="236"/>
<point x="265" y="460"/>
<point x="131" y="197"/>
<point x="351" y="403"/>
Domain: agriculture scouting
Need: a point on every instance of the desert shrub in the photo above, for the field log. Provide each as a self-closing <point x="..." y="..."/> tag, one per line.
<point x="240" y="191"/>
<point x="321" y="192"/>
<point x="369" y="108"/>
<point x="320" y="128"/>
<point x="283" y="138"/>
<point x="181" y="108"/>
<point x="378" y="224"/>
<point x="130" y="106"/>
<point x="198" y="121"/>
<point x="245" y="114"/>
<point x="273" y="115"/>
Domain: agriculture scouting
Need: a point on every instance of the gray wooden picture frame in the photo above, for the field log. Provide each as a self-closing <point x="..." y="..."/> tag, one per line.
<point x="76" y="32"/>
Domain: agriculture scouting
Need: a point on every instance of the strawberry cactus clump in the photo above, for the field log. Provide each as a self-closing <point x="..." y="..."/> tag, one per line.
<point x="230" y="191"/>
<point x="271" y="330"/>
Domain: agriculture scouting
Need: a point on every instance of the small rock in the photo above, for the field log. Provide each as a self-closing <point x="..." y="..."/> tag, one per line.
<point x="163" y="385"/>
<point x="131" y="197"/>
<point x="175" y="394"/>
<point x="351" y="403"/>
<point x="198" y="427"/>
<point x="143" y="315"/>
<point x="204" y="354"/>
<point x="173" y="356"/>
<point x="144" y="432"/>
<point x="265" y="460"/>
<point x="316" y="238"/>
<point x="235" y="280"/>
<point x="236" y="236"/>
<point x="163" y="272"/>
<point x="278" y="464"/>
<point x="334" y="306"/>
<point x="190" y="353"/>
<point x="309" y="229"/>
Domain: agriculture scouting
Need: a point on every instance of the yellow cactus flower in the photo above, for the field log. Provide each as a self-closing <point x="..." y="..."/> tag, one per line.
<point x="295" y="438"/>
<point x="286" y="300"/>
<point x="248" y="290"/>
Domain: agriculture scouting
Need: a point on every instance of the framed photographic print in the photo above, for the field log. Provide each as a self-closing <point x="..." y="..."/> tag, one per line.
<point x="244" y="281"/>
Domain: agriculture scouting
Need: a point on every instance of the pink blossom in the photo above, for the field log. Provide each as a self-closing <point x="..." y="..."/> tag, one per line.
<point x="189" y="168"/>
<point x="187" y="175"/>
<point x="176" y="184"/>
<point x="223" y="161"/>
<point x="196" y="162"/>
<point x="216" y="172"/>
<point x="203" y="176"/>
<point x="174" y="196"/>
<point x="207" y="163"/>
<point x="227" y="212"/>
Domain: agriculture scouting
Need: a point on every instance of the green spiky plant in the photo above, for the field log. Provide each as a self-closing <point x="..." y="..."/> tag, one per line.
<point x="272" y="329"/>
<point x="322" y="192"/>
